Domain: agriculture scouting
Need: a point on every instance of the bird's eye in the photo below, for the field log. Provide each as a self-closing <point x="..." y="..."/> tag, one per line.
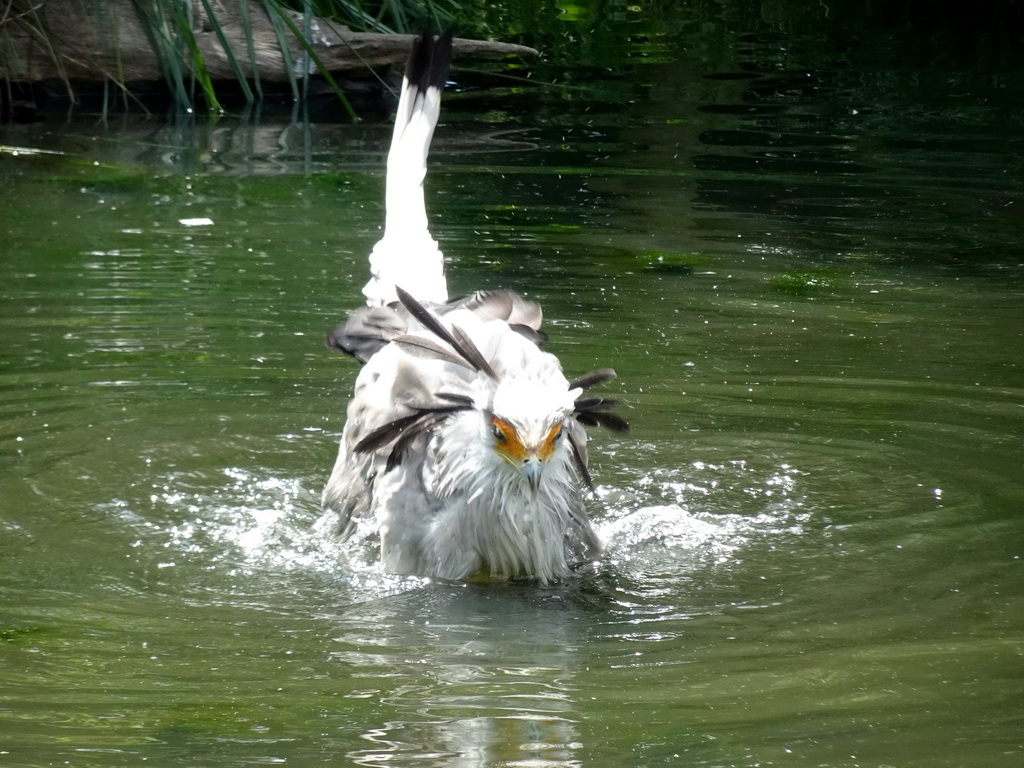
<point x="556" y="433"/>
<point x="500" y="436"/>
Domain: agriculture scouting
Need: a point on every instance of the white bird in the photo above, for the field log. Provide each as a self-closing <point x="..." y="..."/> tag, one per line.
<point x="464" y="443"/>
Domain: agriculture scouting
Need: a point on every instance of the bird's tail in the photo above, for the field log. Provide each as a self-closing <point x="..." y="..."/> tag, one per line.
<point x="407" y="255"/>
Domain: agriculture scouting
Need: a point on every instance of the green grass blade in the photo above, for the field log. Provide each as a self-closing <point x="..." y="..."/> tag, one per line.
<point x="364" y="20"/>
<point x="162" y="42"/>
<point x="184" y="29"/>
<point x="251" y="49"/>
<point x="307" y="33"/>
<point x="324" y="72"/>
<point x="275" y="14"/>
<point x="215" y="24"/>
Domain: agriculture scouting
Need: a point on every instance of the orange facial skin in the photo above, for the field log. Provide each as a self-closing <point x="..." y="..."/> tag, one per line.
<point x="511" y="448"/>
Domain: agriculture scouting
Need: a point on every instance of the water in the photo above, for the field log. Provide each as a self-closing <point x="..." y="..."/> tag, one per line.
<point x="809" y="281"/>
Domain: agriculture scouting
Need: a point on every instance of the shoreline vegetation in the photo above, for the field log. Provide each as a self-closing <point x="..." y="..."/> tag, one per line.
<point x="200" y="55"/>
<point x="196" y="51"/>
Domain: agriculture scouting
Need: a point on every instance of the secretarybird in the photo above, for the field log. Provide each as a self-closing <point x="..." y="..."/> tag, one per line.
<point x="464" y="445"/>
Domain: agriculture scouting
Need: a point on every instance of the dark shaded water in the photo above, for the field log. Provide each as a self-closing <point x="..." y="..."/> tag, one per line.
<point x="807" y="272"/>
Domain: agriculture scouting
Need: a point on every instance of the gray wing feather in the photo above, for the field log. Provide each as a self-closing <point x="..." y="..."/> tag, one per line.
<point x="349" y="491"/>
<point x="390" y="384"/>
<point x="369" y="329"/>
<point x="500" y="305"/>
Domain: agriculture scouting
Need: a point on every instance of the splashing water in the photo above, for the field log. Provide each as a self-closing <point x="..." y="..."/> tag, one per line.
<point x="681" y="520"/>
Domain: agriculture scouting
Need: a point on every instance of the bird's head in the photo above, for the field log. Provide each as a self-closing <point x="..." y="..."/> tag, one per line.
<point x="527" y="412"/>
<point x="527" y="422"/>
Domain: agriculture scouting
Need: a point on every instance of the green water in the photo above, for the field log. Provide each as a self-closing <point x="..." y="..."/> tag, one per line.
<point x="813" y="298"/>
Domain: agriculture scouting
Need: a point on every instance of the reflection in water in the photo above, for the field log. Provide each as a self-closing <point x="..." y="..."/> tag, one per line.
<point x="253" y="145"/>
<point x="471" y="675"/>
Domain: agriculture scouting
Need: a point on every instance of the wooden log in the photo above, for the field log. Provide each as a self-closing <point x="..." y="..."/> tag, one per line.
<point x="91" y="41"/>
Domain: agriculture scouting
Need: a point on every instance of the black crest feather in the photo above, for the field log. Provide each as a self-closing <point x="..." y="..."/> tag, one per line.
<point x="417" y="346"/>
<point x="581" y="465"/>
<point x="428" y="422"/>
<point x="464" y="400"/>
<point x="610" y="421"/>
<point x="456" y="339"/>
<point x="472" y="353"/>
<point x="595" y="411"/>
<point x="386" y="433"/>
<point x="596" y="404"/>
<point x="402" y="431"/>
<point x="592" y="378"/>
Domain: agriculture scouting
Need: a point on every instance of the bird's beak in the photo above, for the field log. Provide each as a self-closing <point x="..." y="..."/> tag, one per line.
<point x="532" y="469"/>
